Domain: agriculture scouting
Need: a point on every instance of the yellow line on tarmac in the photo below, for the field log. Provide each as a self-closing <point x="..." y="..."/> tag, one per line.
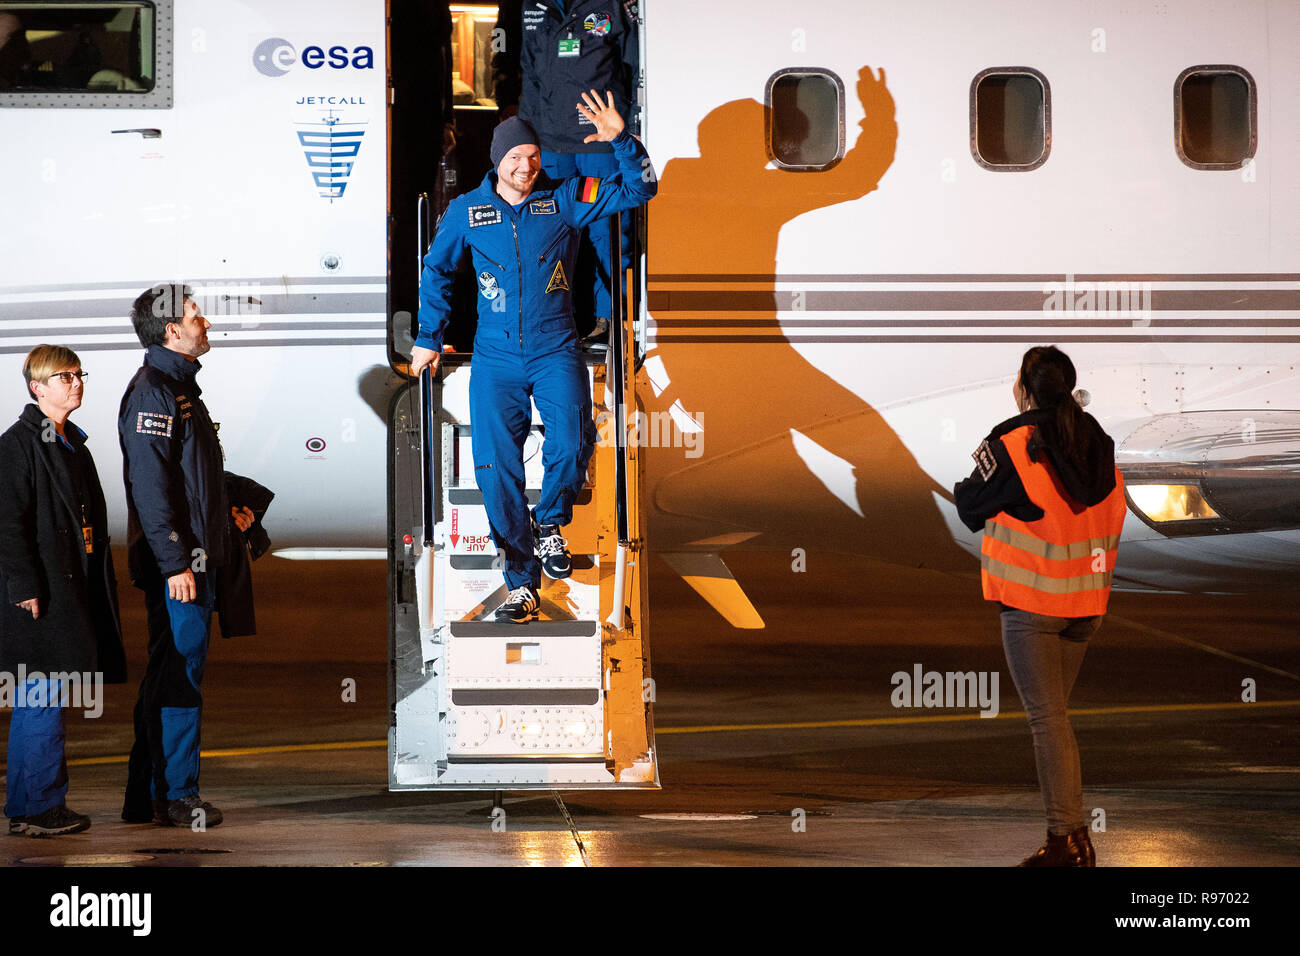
<point x="948" y="718"/>
<point x="247" y="751"/>
<point x="726" y="728"/>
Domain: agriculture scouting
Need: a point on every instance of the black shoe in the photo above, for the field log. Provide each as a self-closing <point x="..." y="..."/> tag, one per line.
<point x="599" y="332"/>
<point x="149" y="811"/>
<point x="185" y="813"/>
<point x="521" y="607"/>
<point x="54" y="822"/>
<point x="552" y="550"/>
<point x="1072" y="849"/>
<point x="17" y="826"/>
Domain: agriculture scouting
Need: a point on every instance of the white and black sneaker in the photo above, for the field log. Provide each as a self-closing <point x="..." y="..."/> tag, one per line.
<point x="521" y="607"/>
<point x="54" y="822"/>
<point x="552" y="550"/>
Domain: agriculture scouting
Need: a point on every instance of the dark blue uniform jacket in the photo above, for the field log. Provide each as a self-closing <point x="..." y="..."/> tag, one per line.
<point x="172" y="466"/>
<point x="568" y="49"/>
<point x="523" y="257"/>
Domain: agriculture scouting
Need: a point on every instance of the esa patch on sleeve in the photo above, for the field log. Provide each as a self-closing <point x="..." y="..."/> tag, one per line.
<point x="153" y="423"/>
<point x="484" y="215"/>
<point x="985" y="460"/>
<point x="588" y="188"/>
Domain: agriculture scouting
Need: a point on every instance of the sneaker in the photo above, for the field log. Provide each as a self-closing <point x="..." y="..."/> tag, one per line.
<point x="180" y="813"/>
<point x="17" y="826"/>
<point x="53" y="822"/>
<point x="521" y="607"/>
<point x="552" y="551"/>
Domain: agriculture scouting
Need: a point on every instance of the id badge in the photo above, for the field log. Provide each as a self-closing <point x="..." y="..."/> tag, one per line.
<point x="88" y="536"/>
<point x="570" y="46"/>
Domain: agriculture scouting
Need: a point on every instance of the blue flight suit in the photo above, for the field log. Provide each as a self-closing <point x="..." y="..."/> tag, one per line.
<point x="178" y="519"/>
<point x="526" y="344"/>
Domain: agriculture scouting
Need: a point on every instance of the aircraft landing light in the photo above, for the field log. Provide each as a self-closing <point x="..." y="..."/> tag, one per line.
<point x="1163" y="503"/>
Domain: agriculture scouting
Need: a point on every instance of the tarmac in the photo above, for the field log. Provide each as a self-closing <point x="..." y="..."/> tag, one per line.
<point x="779" y="746"/>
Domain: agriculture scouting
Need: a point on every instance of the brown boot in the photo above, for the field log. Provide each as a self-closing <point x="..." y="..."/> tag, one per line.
<point x="1072" y="849"/>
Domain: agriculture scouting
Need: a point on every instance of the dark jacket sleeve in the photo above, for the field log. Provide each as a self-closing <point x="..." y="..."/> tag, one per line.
<point x="633" y="184"/>
<point x="993" y="487"/>
<point x="151" y="438"/>
<point x="20" y="562"/>
<point x="506" y="82"/>
<point x="630" y="48"/>
<point x="438" y="277"/>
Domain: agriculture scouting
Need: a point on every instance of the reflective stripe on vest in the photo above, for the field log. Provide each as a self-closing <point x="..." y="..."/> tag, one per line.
<point x="1062" y="564"/>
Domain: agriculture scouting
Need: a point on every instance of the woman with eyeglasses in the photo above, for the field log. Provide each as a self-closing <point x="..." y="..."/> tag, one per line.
<point x="1050" y="501"/>
<point x="58" y="593"/>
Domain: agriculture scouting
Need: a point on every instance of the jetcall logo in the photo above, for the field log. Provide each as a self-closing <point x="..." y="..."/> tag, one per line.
<point x="276" y="56"/>
<point x="331" y="147"/>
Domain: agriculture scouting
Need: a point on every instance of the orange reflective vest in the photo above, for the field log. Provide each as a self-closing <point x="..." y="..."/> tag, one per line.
<point x="1060" y="565"/>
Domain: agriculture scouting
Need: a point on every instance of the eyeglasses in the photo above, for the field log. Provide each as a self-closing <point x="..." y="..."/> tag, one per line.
<point x="67" y="377"/>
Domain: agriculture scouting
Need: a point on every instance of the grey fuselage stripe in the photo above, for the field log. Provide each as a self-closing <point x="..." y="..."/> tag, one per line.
<point x="306" y="303"/>
<point x="817" y="300"/>
<point x="892" y="339"/>
<point x="141" y="285"/>
<point x="959" y="277"/>
<point x="83" y="348"/>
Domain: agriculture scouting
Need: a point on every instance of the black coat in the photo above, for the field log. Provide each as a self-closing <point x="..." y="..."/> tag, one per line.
<point x="235" y="608"/>
<point x="43" y="556"/>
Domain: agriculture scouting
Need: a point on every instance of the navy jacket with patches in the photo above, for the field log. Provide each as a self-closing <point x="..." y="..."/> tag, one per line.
<point x="172" y="466"/>
<point x="548" y="86"/>
<point x="523" y="257"/>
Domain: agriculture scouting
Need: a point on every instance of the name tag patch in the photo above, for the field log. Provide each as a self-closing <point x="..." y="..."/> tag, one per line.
<point x="985" y="460"/>
<point x="153" y="423"/>
<point x="542" y="207"/>
<point x="484" y="215"/>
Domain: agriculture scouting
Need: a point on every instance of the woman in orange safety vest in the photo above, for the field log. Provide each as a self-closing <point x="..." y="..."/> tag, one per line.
<point x="1047" y="494"/>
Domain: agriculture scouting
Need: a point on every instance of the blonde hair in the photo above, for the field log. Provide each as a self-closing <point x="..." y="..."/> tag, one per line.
<point x="44" y="360"/>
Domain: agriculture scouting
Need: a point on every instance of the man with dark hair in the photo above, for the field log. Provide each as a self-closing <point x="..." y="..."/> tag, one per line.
<point x="178" y="523"/>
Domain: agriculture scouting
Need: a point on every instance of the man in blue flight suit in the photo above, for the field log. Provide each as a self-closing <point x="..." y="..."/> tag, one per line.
<point x="523" y="231"/>
<point x="553" y="51"/>
<point x="178" y="526"/>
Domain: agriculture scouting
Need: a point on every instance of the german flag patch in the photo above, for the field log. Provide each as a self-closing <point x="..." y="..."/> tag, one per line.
<point x="588" y="189"/>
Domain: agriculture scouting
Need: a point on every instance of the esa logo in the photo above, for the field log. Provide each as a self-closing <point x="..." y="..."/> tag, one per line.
<point x="276" y="56"/>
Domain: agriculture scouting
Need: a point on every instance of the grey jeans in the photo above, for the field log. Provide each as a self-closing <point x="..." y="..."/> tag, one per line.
<point x="1044" y="655"/>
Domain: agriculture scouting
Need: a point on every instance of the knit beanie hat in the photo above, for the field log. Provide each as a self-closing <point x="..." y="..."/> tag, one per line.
<point x="510" y="133"/>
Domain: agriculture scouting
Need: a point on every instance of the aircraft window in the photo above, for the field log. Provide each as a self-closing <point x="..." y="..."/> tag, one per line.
<point x="85" y="54"/>
<point x="1214" y="117"/>
<point x="805" y="119"/>
<point x="471" y="53"/>
<point x="1010" y="119"/>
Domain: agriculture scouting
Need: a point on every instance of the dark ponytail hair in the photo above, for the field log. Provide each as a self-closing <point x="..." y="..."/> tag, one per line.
<point x="1048" y="376"/>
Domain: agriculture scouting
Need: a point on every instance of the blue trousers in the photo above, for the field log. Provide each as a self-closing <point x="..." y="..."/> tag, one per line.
<point x="36" y="774"/>
<point x="593" y="253"/>
<point x="164" y="760"/>
<point x="1044" y="655"/>
<point x="500" y="386"/>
